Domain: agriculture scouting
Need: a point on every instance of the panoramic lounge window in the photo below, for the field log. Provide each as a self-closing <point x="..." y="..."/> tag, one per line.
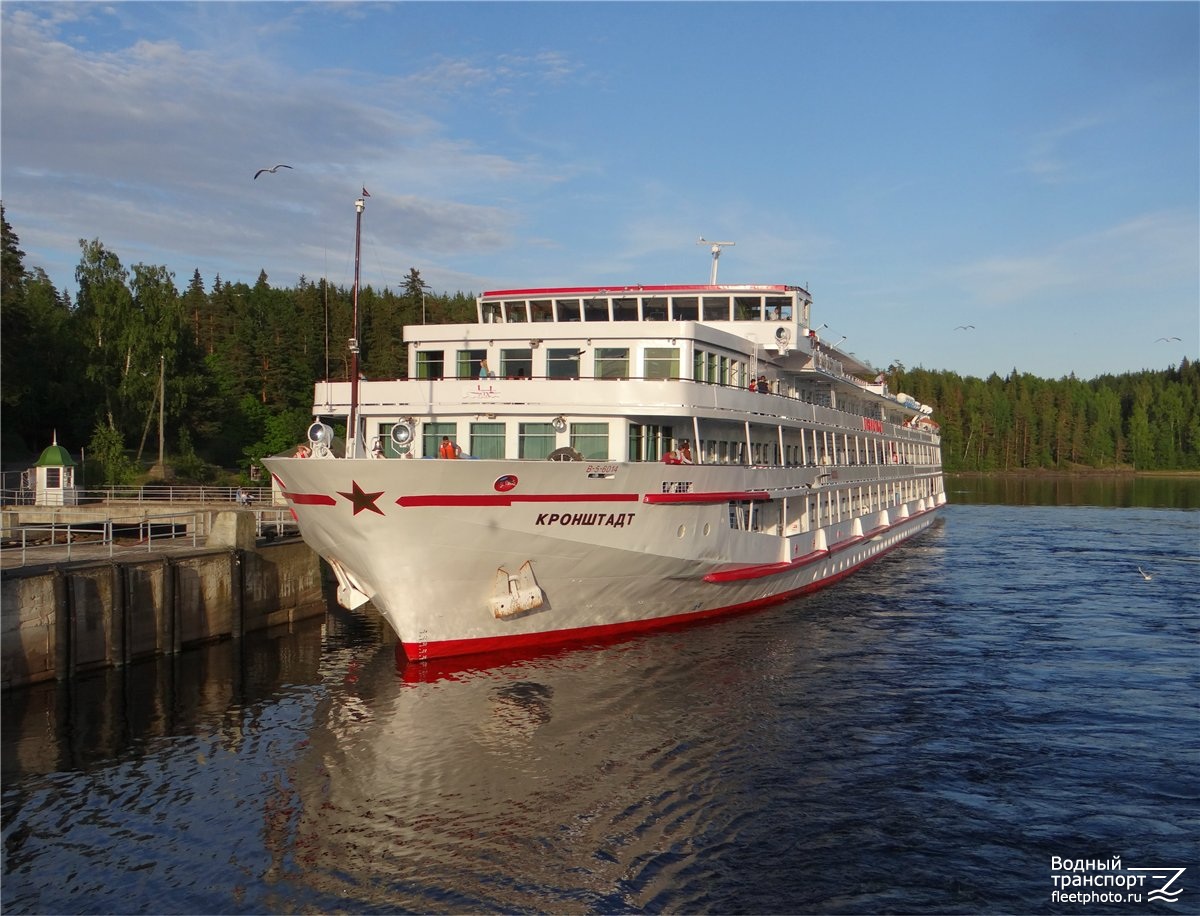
<point x="654" y="308"/>
<point x="716" y="308"/>
<point x="541" y="310"/>
<point x="747" y="308"/>
<point x="685" y="308"/>
<point x="514" y="312"/>
<point x="595" y="310"/>
<point x="625" y="310"/>
<point x="779" y="308"/>
<point x="568" y="309"/>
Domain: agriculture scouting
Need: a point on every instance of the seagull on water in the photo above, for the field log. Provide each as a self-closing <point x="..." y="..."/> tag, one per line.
<point x="272" y="170"/>
<point x="1145" y="575"/>
<point x="1167" y="339"/>
<point x="965" y="327"/>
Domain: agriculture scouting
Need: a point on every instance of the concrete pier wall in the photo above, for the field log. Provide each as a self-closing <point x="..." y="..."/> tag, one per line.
<point x="55" y="622"/>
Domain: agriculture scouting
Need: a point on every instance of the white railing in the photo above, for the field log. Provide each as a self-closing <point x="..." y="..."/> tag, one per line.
<point x="64" y="541"/>
<point x="157" y="493"/>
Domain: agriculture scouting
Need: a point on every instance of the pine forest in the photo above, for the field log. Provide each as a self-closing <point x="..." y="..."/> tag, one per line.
<point x="236" y="365"/>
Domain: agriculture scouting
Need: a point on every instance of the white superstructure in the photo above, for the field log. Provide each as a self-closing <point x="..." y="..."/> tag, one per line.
<point x="788" y="489"/>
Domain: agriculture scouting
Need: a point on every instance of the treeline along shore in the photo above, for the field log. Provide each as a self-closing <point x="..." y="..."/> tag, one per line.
<point x="235" y="365"/>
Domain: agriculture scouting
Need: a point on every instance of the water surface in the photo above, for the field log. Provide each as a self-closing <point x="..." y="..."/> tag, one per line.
<point x="923" y="737"/>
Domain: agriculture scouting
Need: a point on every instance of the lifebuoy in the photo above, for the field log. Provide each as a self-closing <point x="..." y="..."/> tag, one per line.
<point x="566" y="453"/>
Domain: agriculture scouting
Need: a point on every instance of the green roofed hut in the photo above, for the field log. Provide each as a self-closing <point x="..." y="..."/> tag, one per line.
<point x="54" y="481"/>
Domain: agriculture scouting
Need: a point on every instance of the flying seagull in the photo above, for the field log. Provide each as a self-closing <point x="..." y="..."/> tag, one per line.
<point x="272" y="170"/>
<point x="965" y="327"/>
<point x="1167" y="339"/>
<point x="1145" y="575"/>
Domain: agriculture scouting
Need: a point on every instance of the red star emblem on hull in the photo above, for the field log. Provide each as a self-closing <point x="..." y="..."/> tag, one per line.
<point x="361" y="500"/>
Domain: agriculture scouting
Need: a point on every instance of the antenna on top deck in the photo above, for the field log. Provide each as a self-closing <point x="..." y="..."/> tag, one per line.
<point x="716" y="253"/>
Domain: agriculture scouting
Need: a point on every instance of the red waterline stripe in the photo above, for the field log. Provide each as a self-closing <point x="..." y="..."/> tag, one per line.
<point x="764" y="569"/>
<point x="311" y="499"/>
<point x="720" y="497"/>
<point x="507" y="499"/>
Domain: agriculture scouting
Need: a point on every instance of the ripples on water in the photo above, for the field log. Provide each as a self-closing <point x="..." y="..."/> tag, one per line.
<point x="922" y="737"/>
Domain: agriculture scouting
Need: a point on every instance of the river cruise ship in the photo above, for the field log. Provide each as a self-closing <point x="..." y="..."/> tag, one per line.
<point x="584" y="462"/>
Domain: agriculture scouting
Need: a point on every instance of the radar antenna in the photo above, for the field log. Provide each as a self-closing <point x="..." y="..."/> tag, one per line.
<point x="716" y="253"/>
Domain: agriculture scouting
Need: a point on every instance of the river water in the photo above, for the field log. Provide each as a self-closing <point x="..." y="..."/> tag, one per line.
<point x="954" y="729"/>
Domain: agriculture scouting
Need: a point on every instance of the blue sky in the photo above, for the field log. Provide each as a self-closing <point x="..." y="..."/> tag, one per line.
<point x="1032" y="169"/>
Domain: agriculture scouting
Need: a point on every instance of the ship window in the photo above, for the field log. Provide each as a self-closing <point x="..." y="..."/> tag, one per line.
<point x="723" y="378"/>
<point x="612" y="362"/>
<point x="625" y="310"/>
<point x="662" y="362"/>
<point x="779" y="308"/>
<point x="712" y="375"/>
<point x="487" y="440"/>
<point x="516" y="363"/>
<point x="514" y="312"/>
<point x="53" y="478"/>
<point x="491" y="313"/>
<point x="743" y="516"/>
<point x="468" y="363"/>
<point x="430" y="363"/>
<point x="562" y="363"/>
<point x="698" y="366"/>
<point x="595" y="310"/>
<point x="431" y="437"/>
<point x="747" y="308"/>
<point x="590" y="440"/>
<point x="535" y="441"/>
<point x="646" y="442"/>
<point x="716" y="308"/>
<point x="568" y="309"/>
<point x="654" y="309"/>
<point x="685" y="308"/>
<point x="541" y="310"/>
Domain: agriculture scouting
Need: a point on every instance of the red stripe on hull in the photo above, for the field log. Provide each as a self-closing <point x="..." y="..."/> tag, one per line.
<point x="417" y="652"/>
<point x="507" y="499"/>
<point x="311" y="499"/>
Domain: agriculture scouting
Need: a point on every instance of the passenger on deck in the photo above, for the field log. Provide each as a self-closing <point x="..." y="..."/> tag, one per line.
<point x="448" y="449"/>
<point x="671" y="457"/>
<point x="685" y="452"/>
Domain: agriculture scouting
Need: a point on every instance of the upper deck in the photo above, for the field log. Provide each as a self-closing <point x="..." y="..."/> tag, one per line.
<point x="734" y="305"/>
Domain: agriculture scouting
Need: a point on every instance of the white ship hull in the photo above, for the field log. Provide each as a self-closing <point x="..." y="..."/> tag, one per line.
<point x="448" y="560"/>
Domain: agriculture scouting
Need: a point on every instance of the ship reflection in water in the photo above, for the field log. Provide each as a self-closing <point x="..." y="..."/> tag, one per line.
<point x="921" y="737"/>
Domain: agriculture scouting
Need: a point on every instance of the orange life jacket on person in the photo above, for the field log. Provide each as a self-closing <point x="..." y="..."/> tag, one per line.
<point x="447" y="450"/>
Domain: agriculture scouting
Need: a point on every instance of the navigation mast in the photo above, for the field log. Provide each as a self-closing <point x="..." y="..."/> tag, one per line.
<point x="716" y="253"/>
<point x="352" y="427"/>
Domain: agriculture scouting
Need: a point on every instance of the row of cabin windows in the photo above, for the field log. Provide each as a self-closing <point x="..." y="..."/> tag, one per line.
<point x="643" y="308"/>
<point x="536" y="440"/>
<point x="561" y="363"/>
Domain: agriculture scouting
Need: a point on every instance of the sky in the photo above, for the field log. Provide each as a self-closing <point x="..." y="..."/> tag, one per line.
<point x="1031" y="170"/>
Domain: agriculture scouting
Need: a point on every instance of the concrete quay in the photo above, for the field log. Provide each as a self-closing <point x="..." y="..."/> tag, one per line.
<point x="64" y="617"/>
